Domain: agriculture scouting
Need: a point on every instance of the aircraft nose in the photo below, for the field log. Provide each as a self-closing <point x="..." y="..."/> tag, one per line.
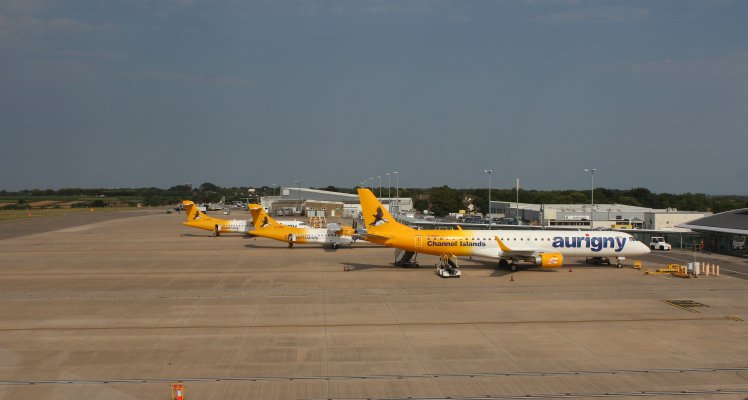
<point x="645" y="248"/>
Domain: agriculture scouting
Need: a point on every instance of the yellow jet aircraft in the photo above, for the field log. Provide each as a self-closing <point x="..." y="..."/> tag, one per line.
<point x="544" y="248"/>
<point x="265" y="226"/>
<point x="200" y="220"/>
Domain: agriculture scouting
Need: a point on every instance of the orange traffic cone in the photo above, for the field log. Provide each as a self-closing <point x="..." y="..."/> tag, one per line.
<point x="511" y="278"/>
<point x="570" y="269"/>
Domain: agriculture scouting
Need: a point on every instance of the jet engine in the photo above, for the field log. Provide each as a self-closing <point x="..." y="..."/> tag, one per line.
<point x="549" y="260"/>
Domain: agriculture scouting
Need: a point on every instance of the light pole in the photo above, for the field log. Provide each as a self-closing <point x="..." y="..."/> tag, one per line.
<point x="274" y="185"/>
<point x="517" y="215"/>
<point x="397" y="190"/>
<point x="592" y="195"/>
<point x="380" y="186"/>
<point x="489" y="172"/>
<point x="298" y="188"/>
<point x="371" y="184"/>
<point x="389" y="195"/>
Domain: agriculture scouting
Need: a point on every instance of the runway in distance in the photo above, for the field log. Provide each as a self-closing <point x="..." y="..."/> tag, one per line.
<point x="543" y="248"/>
<point x="264" y="226"/>
<point x="200" y="220"/>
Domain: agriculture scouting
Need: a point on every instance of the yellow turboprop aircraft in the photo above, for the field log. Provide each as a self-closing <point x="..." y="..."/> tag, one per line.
<point x="265" y="226"/>
<point x="200" y="220"/>
<point x="545" y="248"/>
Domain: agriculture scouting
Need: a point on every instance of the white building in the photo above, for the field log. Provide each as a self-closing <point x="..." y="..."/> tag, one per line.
<point x="619" y="216"/>
<point x="351" y="204"/>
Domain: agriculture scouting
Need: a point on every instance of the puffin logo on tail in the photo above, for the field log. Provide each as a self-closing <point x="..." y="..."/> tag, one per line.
<point x="379" y="218"/>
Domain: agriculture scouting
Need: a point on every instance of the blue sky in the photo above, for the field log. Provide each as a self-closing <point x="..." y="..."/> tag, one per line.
<point x="137" y="93"/>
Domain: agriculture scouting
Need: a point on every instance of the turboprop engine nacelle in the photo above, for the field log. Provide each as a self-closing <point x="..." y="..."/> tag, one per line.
<point x="346" y="231"/>
<point x="549" y="260"/>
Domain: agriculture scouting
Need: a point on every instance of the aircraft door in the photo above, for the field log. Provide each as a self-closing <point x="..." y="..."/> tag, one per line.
<point x="419" y="241"/>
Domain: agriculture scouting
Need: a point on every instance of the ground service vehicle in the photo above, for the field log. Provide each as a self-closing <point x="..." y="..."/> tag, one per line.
<point x="659" y="243"/>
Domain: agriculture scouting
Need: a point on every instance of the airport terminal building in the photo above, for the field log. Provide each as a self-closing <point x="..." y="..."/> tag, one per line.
<point x="613" y="216"/>
<point x="724" y="233"/>
<point x="323" y="203"/>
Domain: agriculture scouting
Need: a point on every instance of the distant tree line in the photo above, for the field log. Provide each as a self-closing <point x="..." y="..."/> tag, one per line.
<point x="438" y="200"/>
<point x="443" y="200"/>
<point x="152" y="196"/>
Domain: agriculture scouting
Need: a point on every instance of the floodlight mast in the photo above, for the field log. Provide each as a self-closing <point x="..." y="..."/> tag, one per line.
<point x="592" y="196"/>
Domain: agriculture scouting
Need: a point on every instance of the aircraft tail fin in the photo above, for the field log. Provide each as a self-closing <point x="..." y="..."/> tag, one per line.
<point x="377" y="218"/>
<point x="193" y="213"/>
<point x="260" y="218"/>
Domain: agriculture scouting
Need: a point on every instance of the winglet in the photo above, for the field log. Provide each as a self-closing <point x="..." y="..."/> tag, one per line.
<point x="502" y="246"/>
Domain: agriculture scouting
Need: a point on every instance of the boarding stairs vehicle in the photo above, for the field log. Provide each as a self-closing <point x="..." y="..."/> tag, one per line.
<point x="405" y="258"/>
<point x="447" y="267"/>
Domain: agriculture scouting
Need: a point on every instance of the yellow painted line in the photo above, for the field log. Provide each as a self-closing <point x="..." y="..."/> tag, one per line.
<point x="733" y="318"/>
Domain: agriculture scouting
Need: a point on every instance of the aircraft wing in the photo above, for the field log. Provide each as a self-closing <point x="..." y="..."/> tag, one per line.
<point x="522" y="251"/>
<point x="368" y="236"/>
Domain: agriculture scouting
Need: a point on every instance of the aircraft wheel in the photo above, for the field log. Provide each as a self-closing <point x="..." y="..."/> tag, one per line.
<point x="503" y="264"/>
<point x="513" y="267"/>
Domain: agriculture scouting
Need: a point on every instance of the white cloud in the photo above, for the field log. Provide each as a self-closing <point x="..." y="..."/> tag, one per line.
<point x="210" y="79"/>
<point x="15" y="30"/>
<point x="597" y="14"/>
<point x="357" y="8"/>
<point x="90" y="55"/>
<point x="25" y="7"/>
<point x="728" y="69"/>
<point x="572" y="3"/>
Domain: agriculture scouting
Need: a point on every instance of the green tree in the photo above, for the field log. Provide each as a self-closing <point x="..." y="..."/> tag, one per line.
<point x="629" y="201"/>
<point x="421" y="205"/>
<point x="445" y="200"/>
<point x="578" y="198"/>
<point x="209" y="187"/>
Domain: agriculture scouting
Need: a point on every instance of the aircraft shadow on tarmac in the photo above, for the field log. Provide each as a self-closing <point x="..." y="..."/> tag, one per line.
<point x="210" y="235"/>
<point x="523" y="268"/>
<point x="310" y="247"/>
<point x="362" y="267"/>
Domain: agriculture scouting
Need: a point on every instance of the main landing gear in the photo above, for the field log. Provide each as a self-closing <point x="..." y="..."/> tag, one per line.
<point x="510" y="265"/>
<point x="447" y="267"/>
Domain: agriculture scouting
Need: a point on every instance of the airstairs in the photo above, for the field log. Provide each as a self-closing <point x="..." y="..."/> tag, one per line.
<point x="404" y="258"/>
